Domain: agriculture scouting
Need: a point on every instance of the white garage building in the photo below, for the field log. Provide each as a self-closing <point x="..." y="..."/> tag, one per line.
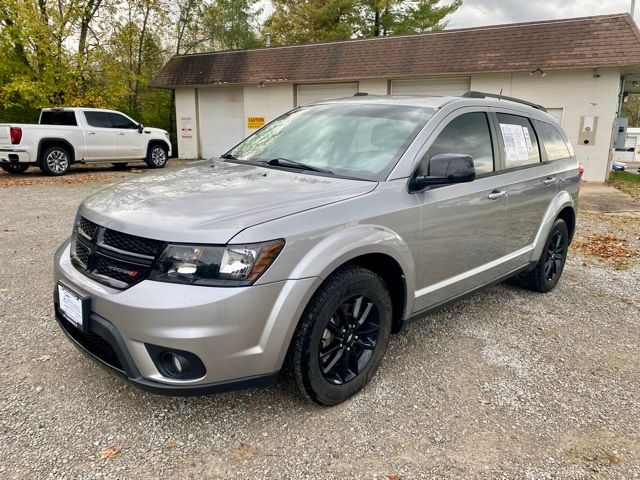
<point x="580" y="69"/>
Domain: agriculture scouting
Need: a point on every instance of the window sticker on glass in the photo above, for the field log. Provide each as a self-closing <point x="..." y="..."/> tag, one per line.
<point x="515" y="143"/>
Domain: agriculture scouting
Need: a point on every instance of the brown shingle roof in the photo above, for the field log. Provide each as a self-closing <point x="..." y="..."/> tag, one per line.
<point x="589" y="42"/>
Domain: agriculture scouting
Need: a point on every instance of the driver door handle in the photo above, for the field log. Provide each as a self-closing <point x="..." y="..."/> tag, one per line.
<point x="496" y="194"/>
<point x="549" y="180"/>
<point x="91" y="133"/>
<point x="120" y="133"/>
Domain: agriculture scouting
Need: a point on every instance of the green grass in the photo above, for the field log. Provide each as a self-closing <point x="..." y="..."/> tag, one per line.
<point x="626" y="182"/>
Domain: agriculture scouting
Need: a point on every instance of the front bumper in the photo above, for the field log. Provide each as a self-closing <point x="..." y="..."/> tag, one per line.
<point x="241" y="335"/>
<point x="14" y="155"/>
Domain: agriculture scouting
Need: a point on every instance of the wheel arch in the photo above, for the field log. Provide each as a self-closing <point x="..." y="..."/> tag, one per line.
<point x="562" y="206"/>
<point x="157" y="141"/>
<point x="48" y="142"/>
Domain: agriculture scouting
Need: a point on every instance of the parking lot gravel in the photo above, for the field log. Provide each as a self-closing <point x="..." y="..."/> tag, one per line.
<point x="504" y="384"/>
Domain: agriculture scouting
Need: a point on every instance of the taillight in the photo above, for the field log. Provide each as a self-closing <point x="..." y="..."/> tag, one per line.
<point x="580" y="170"/>
<point x="16" y="135"/>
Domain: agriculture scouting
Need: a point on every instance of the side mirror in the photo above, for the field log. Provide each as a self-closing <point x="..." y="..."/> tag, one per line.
<point x="140" y="128"/>
<point x="445" y="169"/>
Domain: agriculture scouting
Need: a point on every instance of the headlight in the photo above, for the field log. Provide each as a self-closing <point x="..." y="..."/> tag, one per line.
<point x="223" y="266"/>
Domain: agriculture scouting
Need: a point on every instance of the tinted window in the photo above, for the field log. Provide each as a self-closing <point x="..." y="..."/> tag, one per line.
<point x="520" y="141"/>
<point x="58" y="118"/>
<point x="467" y="134"/>
<point x="552" y="141"/>
<point x="120" y="121"/>
<point x="356" y="140"/>
<point x="97" y="119"/>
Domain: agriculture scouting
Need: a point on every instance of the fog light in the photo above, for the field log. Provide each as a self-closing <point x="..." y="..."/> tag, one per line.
<point x="176" y="363"/>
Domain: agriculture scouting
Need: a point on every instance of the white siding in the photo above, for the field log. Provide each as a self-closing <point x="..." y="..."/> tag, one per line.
<point x="268" y="101"/>
<point x="321" y="91"/>
<point x="187" y="123"/>
<point x="221" y="112"/>
<point x="436" y="86"/>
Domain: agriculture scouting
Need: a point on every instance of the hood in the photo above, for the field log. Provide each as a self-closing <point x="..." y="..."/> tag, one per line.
<point x="211" y="201"/>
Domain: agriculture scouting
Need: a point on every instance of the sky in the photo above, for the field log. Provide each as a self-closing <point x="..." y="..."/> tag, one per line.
<point x="473" y="13"/>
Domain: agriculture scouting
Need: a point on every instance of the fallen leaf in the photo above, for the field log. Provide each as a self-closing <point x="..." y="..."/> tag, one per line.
<point x="43" y="358"/>
<point x="4" y="289"/>
<point x="245" y="452"/>
<point x="611" y="456"/>
<point x="485" y="401"/>
<point x="172" y="444"/>
<point x="109" y="453"/>
<point x="394" y="476"/>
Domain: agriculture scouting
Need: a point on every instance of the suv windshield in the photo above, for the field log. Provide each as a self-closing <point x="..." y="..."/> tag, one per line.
<point x="354" y="140"/>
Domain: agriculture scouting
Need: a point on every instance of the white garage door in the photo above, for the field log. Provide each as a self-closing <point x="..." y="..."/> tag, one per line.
<point x="314" y="93"/>
<point x="438" y="87"/>
<point x="221" y="114"/>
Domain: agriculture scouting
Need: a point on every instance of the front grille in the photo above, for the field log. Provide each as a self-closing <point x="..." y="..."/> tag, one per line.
<point x="94" y="344"/>
<point x="131" y="243"/>
<point x="87" y="228"/>
<point x="110" y="257"/>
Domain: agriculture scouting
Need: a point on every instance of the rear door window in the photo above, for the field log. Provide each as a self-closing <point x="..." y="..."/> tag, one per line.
<point x="97" y="119"/>
<point x="67" y="118"/>
<point x="519" y="141"/>
<point x="552" y="141"/>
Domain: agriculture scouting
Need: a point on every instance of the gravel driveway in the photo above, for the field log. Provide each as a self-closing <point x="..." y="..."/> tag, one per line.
<point x="506" y="383"/>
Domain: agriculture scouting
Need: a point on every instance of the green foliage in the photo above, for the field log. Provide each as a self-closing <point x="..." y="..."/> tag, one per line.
<point x="296" y="21"/>
<point x="104" y="53"/>
<point x="631" y="110"/>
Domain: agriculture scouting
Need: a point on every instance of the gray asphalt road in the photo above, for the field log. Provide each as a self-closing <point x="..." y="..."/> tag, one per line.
<point x="506" y="383"/>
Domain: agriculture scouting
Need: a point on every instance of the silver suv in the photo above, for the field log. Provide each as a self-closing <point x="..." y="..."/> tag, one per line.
<point x="312" y="241"/>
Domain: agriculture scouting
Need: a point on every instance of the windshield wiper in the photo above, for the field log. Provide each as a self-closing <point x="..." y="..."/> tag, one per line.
<point x="228" y="156"/>
<point x="285" y="162"/>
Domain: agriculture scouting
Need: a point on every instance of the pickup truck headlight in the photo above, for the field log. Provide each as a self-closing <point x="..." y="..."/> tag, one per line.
<point x="215" y="266"/>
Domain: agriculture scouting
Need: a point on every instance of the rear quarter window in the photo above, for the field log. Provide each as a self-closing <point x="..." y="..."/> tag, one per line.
<point x="58" y="118"/>
<point x="552" y="141"/>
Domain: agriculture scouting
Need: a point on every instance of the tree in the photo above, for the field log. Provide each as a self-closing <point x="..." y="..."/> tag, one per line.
<point x="295" y="21"/>
<point x="231" y="24"/>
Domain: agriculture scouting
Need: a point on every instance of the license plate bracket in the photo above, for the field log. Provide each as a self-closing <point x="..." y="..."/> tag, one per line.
<point x="73" y="306"/>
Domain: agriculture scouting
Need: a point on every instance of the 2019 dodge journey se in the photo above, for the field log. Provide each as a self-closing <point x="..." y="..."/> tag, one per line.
<point x="308" y="244"/>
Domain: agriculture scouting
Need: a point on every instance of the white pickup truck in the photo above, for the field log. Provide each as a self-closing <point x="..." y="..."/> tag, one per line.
<point x="65" y="136"/>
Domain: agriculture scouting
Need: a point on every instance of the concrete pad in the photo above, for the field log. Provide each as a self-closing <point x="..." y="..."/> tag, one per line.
<point x="597" y="197"/>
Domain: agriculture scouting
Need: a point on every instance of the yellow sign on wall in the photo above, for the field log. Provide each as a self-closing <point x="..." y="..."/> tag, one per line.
<point x="255" y="122"/>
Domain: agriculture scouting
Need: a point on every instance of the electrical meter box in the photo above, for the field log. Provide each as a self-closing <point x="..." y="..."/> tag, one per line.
<point x="620" y="133"/>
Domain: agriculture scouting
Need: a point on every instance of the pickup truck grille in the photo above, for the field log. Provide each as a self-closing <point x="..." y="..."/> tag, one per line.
<point x="110" y="257"/>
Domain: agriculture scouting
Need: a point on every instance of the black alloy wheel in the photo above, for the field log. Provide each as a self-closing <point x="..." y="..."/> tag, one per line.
<point x="349" y="339"/>
<point x="342" y="336"/>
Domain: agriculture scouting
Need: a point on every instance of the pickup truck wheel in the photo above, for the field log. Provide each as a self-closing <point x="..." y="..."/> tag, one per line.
<point x="157" y="156"/>
<point x="342" y="336"/>
<point x="55" y="161"/>
<point x="549" y="268"/>
<point x="14" y="167"/>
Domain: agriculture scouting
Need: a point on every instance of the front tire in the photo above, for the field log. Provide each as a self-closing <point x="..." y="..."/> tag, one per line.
<point x="55" y="161"/>
<point x="342" y="336"/>
<point x="157" y="156"/>
<point x="14" y="167"/>
<point x="545" y="276"/>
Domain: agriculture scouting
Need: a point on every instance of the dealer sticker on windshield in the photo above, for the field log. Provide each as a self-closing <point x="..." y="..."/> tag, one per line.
<point x="71" y="305"/>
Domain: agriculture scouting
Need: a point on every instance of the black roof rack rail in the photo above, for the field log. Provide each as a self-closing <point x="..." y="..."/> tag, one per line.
<point x="474" y="94"/>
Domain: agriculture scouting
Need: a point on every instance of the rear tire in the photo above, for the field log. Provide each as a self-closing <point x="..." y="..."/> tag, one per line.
<point x="55" y="161"/>
<point x="157" y="156"/>
<point x="545" y="276"/>
<point x="14" y="167"/>
<point x="342" y="336"/>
